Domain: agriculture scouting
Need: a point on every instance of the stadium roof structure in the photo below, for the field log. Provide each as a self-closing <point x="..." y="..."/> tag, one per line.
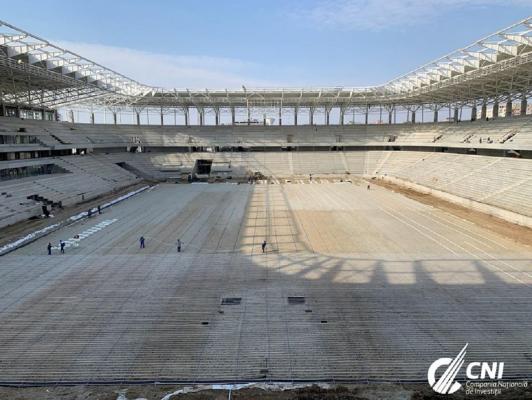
<point x="36" y="73"/>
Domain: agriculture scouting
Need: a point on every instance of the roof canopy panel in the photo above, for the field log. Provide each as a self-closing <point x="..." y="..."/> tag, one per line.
<point x="34" y="72"/>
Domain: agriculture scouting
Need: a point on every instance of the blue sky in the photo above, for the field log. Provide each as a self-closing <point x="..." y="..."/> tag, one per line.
<point x="219" y="44"/>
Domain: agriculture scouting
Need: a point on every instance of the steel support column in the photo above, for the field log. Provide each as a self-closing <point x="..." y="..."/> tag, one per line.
<point x="474" y="112"/>
<point x="201" y="115"/>
<point x="523" y="105"/>
<point x="216" y="116"/>
<point x="186" y="112"/>
<point x="483" y="111"/>
<point x="295" y="115"/>
<point x="233" y="116"/>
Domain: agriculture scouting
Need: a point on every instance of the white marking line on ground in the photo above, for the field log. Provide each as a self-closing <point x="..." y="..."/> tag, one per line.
<point x="417" y="230"/>
<point x="460" y="227"/>
<point x="462" y="248"/>
<point x="86" y="233"/>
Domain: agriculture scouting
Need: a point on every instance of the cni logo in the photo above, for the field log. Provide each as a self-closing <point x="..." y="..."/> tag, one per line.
<point x="446" y="384"/>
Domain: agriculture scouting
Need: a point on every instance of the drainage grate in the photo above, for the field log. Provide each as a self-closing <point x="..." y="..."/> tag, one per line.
<point x="231" y="301"/>
<point x="296" y="300"/>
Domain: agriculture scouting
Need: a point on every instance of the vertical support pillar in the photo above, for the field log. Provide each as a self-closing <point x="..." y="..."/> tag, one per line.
<point x="455" y="115"/>
<point x="92" y="117"/>
<point x="413" y="116"/>
<point x="200" y="116"/>
<point x="115" y="119"/>
<point x="233" y="116"/>
<point x="138" y="118"/>
<point x="311" y="116"/>
<point x="508" y="108"/>
<point x="71" y="114"/>
<point x="496" y="109"/>
<point x="4" y="110"/>
<point x="295" y="115"/>
<point x="366" y="115"/>
<point x="216" y="116"/>
<point x="280" y="115"/>
<point x="162" y="117"/>
<point x="342" y="115"/>
<point x="249" y="115"/>
<point x="483" y="110"/>
<point x="264" y="119"/>
<point x="435" y="115"/>
<point x="474" y="112"/>
<point x="327" y="115"/>
<point x="523" y="105"/>
<point x="186" y="112"/>
<point x="390" y="116"/>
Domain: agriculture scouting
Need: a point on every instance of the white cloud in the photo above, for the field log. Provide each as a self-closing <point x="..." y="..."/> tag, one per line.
<point x="382" y="14"/>
<point x="172" y="71"/>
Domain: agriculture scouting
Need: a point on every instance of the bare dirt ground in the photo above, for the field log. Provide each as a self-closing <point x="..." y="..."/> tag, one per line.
<point x="520" y="234"/>
<point x="159" y="392"/>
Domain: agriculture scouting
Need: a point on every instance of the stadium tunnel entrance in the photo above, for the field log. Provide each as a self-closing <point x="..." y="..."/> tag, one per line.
<point x="202" y="167"/>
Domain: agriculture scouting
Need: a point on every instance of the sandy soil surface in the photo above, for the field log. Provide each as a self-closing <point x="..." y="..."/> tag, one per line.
<point x="519" y="233"/>
<point x="159" y="392"/>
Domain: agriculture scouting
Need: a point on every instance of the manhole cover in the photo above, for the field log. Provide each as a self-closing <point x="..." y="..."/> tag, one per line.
<point x="231" y="301"/>
<point x="296" y="300"/>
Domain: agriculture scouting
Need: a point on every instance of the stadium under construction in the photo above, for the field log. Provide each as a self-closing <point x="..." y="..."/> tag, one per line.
<point x="396" y="222"/>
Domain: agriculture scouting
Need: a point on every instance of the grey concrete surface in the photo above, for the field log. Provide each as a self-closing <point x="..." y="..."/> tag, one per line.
<point x="389" y="284"/>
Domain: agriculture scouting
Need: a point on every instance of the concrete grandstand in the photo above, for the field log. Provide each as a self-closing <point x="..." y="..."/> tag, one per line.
<point x="388" y="243"/>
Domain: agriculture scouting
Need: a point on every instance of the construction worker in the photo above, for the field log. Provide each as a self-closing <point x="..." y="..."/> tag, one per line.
<point x="141" y="240"/>
<point x="49" y="247"/>
<point x="264" y="246"/>
<point x="62" y="246"/>
<point x="99" y="209"/>
<point x="179" y="243"/>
